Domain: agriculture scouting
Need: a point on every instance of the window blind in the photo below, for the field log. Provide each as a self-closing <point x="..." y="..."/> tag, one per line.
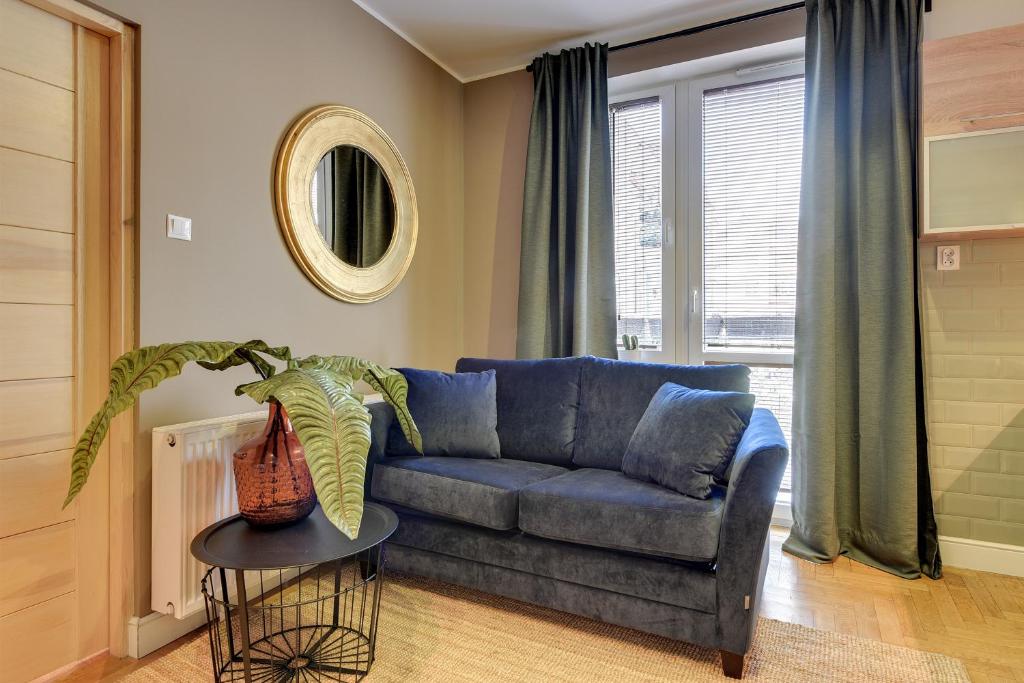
<point x="752" y="144"/>
<point x="636" y="184"/>
<point x="773" y="387"/>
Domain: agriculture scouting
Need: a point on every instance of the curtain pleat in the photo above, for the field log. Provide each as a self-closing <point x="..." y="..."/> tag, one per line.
<point x="860" y="467"/>
<point x="567" y="263"/>
<point x="364" y="214"/>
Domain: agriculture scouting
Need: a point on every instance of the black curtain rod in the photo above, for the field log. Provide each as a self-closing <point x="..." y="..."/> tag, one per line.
<point x="704" y="27"/>
<point x="718" y="24"/>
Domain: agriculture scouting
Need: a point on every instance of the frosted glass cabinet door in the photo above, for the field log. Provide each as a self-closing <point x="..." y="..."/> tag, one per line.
<point x="974" y="181"/>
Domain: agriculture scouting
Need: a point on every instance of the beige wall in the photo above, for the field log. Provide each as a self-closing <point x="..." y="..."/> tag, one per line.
<point x="497" y="121"/>
<point x="959" y="16"/>
<point x="221" y="81"/>
<point x="772" y="29"/>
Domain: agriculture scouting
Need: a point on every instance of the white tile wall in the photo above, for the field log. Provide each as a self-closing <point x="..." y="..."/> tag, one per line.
<point x="974" y="360"/>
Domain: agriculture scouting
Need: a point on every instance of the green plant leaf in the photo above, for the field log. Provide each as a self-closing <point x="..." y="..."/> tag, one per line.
<point x="249" y="353"/>
<point x="334" y="429"/>
<point x="391" y="384"/>
<point x="395" y="389"/>
<point x="130" y="375"/>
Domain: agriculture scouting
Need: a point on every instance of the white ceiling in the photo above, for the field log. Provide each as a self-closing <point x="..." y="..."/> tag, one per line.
<point x="474" y="39"/>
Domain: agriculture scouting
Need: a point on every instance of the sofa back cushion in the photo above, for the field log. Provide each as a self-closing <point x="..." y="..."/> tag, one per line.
<point x="687" y="437"/>
<point x="456" y="414"/>
<point x="538" y="404"/>
<point x="615" y="394"/>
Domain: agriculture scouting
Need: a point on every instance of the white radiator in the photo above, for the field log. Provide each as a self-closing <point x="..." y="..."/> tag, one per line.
<point x="193" y="487"/>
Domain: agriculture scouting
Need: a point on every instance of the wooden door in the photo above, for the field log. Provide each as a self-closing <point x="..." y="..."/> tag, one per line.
<point x="55" y="323"/>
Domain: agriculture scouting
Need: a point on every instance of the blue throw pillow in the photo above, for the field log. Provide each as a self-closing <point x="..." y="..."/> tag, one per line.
<point x="457" y="414"/>
<point x="687" y="438"/>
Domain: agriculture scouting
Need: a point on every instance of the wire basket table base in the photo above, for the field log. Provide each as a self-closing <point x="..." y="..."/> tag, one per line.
<point x="308" y="623"/>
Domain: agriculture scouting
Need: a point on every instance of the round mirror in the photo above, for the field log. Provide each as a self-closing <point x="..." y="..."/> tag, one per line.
<point x="345" y="203"/>
<point x="353" y="206"/>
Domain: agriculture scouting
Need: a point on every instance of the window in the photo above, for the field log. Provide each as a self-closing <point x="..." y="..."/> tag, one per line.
<point x="751" y="142"/>
<point x="712" y="278"/>
<point x="637" y="197"/>
<point x="773" y="387"/>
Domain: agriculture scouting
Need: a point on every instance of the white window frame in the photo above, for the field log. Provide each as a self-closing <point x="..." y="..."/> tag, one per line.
<point x="695" y="220"/>
<point x="682" y="197"/>
<point x="669" y="328"/>
<point x="683" y="243"/>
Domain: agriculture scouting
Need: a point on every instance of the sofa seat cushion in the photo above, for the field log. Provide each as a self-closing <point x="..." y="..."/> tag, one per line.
<point x="610" y="510"/>
<point x="472" y="490"/>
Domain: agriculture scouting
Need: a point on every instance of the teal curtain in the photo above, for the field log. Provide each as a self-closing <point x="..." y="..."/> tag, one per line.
<point x="860" y="468"/>
<point x="567" y="263"/>
<point x="364" y="213"/>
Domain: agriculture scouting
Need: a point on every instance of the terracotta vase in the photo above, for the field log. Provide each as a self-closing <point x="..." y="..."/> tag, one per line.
<point x="271" y="475"/>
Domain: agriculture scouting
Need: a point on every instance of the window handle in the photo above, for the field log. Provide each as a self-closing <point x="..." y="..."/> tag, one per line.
<point x="693" y="301"/>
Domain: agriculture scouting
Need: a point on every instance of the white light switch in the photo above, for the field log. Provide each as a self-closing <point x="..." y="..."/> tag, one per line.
<point x="948" y="258"/>
<point x="179" y="227"/>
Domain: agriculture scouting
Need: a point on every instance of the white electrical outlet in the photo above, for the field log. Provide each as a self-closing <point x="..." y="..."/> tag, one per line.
<point x="948" y="258"/>
<point x="179" y="227"/>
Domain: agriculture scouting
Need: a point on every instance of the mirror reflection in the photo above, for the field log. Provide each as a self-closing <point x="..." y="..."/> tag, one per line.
<point x="353" y="205"/>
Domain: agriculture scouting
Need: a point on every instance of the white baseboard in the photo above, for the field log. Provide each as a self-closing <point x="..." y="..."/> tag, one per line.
<point x="965" y="553"/>
<point x="984" y="556"/>
<point x="153" y="631"/>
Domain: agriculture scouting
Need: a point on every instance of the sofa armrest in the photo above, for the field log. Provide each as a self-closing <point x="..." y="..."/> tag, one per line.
<point x="755" y="475"/>
<point x="381" y="417"/>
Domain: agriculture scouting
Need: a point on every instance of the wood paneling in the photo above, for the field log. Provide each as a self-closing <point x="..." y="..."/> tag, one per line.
<point x="32" y="490"/>
<point x="36" y="43"/>
<point x="35" y="341"/>
<point x="93" y="323"/>
<point x="67" y="199"/>
<point x="84" y="15"/>
<point x="37" y="640"/>
<point x="973" y="82"/>
<point x="35" y="416"/>
<point x="36" y="566"/>
<point x="36" y="117"/>
<point x="123" y="490"/>
<point x="36" y="267"/>
<point x="35" y="191"/>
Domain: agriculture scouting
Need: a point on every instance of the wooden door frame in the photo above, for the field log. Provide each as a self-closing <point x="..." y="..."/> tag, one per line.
<point x="123" y="259"/>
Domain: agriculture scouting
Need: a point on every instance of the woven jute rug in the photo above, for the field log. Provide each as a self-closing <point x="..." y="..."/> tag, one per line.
<point x="432" y="631"/>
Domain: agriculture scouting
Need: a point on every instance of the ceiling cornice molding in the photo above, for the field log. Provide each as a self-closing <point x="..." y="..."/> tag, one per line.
<point x="612" y="35"/>
<point x="407" y="38"/>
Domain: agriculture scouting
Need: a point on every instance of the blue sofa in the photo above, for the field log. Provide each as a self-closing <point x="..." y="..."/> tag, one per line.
<point x="555" y="522"/>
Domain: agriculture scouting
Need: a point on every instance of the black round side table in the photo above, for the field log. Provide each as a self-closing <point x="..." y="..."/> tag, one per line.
<point x="295" y="603"/>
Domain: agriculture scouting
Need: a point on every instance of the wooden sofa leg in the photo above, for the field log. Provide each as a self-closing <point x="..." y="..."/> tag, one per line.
<point x="732" y="664"/>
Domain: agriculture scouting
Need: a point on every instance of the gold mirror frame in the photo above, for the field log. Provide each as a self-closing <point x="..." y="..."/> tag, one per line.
<point x="310" y="137"/>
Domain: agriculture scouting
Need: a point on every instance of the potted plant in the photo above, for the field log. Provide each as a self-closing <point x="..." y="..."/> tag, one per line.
<point x="317" y="434"/>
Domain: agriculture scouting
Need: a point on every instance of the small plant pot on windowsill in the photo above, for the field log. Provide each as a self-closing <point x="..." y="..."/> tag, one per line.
<point x="634" y="355"/>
